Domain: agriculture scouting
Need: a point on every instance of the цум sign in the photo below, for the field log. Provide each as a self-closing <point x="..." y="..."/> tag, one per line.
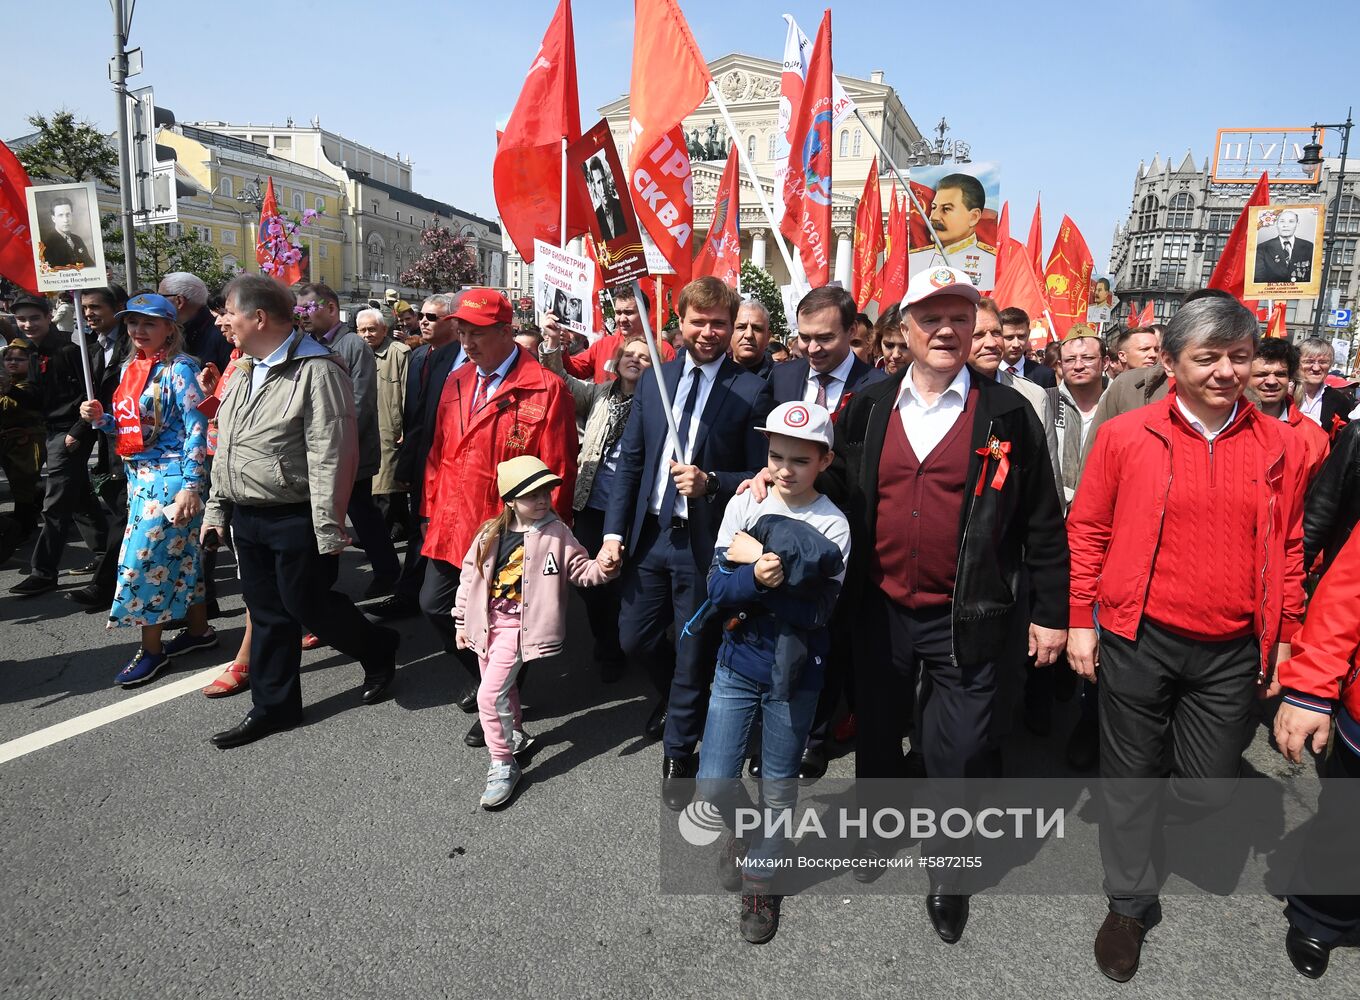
<point x="1242" y="154"/>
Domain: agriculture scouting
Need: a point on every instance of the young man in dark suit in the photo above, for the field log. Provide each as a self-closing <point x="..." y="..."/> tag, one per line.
<point x="1015" y="337"/>
<point x="664" y="514"/>
<point x="829" y="374"/>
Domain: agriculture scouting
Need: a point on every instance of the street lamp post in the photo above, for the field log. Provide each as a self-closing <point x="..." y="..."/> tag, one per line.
<point x="1312" y="157"/>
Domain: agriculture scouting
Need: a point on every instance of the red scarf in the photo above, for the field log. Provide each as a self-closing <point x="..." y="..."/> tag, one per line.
<point x="127" y="410"/>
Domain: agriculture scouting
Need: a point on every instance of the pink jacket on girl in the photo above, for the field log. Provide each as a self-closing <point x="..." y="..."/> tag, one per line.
<point x="552" y="559"/>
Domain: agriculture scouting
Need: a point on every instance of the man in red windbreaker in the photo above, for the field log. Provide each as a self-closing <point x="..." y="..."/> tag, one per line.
<point x="502" y="404"/>
<point x="1186" y="538"/>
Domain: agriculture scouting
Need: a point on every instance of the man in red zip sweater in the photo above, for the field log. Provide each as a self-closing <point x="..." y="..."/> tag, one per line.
<point x="1188" y="636"/>
<point x="594" y="362"/>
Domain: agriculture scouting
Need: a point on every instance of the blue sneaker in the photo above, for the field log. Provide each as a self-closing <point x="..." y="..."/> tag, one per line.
<point x="186" y="643"/>
<point x="142" y="668"/>
<point x="501" y="779"/>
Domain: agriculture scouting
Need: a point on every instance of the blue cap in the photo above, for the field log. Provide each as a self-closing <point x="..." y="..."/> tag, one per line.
<point x="151" y="304"/>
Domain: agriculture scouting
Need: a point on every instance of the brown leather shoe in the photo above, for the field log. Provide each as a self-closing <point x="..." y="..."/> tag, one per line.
<point x="1119" y="942"/>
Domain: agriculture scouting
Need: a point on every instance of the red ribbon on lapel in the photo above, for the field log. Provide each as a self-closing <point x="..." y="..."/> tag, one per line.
<point x="1000" y="451"/>
<point x="1337" y="424"/>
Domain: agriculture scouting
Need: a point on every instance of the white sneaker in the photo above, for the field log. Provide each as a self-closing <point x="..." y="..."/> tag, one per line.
<point x="501" y="779"/>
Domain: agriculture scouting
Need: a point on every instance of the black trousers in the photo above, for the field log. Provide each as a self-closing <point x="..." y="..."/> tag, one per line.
<point x="286" y="583"/>
<point x="437" y="596"/>
<point x="395" y="508"/>
<point x="69" y="497"/>
<point x="1330" y="918"/>
<point x="662" y="587"/>
<point x="905" y="672"/>
<point x="371" y="531"/>
<point x="602" y="603"/>
<point x="1165" y="694"/>
<point x="837" y="682"/>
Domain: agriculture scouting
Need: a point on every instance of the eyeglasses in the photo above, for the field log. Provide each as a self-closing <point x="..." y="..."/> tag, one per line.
<point x="431" y="317"/>
<point x="1315" y="363"/>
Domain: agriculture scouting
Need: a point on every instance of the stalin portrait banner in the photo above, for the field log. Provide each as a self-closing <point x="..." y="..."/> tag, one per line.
<point x="1284" y="251"/>
<point x="961" y="203"/>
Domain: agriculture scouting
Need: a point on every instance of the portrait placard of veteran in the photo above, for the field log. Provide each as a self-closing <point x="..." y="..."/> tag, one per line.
<point x="68" y="249"/>
<point x="1284" y="251"/>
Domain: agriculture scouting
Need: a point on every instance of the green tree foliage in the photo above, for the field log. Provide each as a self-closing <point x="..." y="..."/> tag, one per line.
<point x="159" y="253"/>
<point x="757" y="281"/>
<point x="69" y="150"/>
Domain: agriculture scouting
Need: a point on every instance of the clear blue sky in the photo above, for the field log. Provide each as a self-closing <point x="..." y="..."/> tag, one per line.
<point x="1067" y="97"/>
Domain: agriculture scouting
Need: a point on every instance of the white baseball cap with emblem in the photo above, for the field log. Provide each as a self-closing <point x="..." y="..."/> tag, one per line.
<point x="800" y="420"/>
<point x="935" y="281"/>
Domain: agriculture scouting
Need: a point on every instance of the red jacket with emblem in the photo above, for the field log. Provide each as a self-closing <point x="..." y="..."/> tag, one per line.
<point x="1126" y="481"/>
<point x="530" y="413"/>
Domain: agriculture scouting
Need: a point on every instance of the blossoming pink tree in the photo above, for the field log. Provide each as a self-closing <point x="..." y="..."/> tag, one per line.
<point x="449" y="262"/>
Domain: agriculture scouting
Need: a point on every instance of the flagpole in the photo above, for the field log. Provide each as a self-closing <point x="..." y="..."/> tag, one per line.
<point x="562" y="233"/>
<point x="910" y="193"/>
<point x="672" y="432"/>
<point x="83" y="342"/>
<point x="794" y="274"/>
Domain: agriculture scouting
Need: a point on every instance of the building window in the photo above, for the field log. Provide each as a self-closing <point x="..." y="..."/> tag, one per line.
<point x="1176" y="246"/>
<point x="283" y="143"/>
<point x="323" y="251"/>
<point x="1147" y="213"/>
<point x="1222" y="222"/>
<point x="320" y="205"/>
<point x="203" y="233"/>
<point x="1343" y="252"/>
<point x="224" y="185"/>
<point x="1142" y="247"/>
<point x="1142" y="274"/>
<point x="297" y="201"/>
<point x="229" y="237"/>
<point x="773" y="143"/>
<point x="1348" y="220"/>
<point x="845" y="143"/>
<point x="1171" y="275"/>
<point x="859" y="134"/>
<point x="1180" y="212"/>
<point x="229" y="264"/>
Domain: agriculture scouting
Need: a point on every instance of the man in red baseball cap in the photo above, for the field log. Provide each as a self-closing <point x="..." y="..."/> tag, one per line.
<point x="501" y="404"/>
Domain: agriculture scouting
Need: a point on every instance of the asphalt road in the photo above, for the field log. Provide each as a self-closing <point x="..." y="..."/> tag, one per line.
<point x="348" y="858"/>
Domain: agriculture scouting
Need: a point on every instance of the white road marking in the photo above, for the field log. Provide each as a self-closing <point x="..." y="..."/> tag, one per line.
<point x="103" y="716"/>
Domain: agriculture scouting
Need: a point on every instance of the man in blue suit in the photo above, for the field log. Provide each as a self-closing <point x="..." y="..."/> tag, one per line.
<point x="664" y="514"/>
<point x="828" y="373"/>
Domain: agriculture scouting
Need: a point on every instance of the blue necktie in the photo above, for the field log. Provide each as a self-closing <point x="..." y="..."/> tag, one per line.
<point x="668" y="496"/>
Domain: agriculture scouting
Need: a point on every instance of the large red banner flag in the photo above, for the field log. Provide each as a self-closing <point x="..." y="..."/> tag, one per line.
<point x="16" y="241"/>
<point x="807" y="185"/>
<point x="1067" y="279"/>
<point x="274" y="251"/>
<point x="1231" y="270"/>
<point x="1003" y="237"/>
<point x="891" y="283"/>
<point x="670" y="79"/>
<point x="1035" y="243"/>
<point x="720" y="255"/>
<point x="868" y="237"/>
<point x="1016" y="283"/>
<point x="527" y="172"/>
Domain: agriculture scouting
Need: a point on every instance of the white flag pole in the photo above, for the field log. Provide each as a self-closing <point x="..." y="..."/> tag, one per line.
<point x="795" y="276"/>
<point x="83" y="342"/>
<point x="562" y="233"/>
<point x="672" y="432"/>
<point x="903" y="181"/>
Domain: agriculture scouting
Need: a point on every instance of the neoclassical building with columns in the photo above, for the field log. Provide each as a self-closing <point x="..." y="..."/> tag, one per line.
<point x="750" y="88"/>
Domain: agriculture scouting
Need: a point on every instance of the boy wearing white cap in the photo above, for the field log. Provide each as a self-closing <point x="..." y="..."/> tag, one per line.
<point x="764" y="597"/>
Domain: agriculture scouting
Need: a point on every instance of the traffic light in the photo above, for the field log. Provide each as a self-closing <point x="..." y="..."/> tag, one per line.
<point x="155" y="189"/>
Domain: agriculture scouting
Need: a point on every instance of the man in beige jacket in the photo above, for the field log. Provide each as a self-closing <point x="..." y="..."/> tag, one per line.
<point x="392" y="359"/>
<point x="285" y="466"/>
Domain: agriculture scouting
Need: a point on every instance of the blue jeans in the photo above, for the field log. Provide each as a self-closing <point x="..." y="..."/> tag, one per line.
<point x="732" y="707"/>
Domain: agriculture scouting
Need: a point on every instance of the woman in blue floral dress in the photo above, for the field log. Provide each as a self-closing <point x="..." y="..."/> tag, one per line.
<point x="162" y="436"/>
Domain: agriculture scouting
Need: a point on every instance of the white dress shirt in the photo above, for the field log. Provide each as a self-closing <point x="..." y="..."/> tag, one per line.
<point x="926" y="424"/>
<point x="496" y="378"/>
<point x="663" y="473"/>
<point x="835" y="388"/>
<point x="1198" y="425"/>
<point x="1312" y="407"/>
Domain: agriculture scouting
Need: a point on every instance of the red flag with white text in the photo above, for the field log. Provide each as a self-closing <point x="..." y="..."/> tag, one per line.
<point x="868" y="238"/>
<point x="807" y="185"/>
<point x="720" y="255"/>
<point x="670" y="79"/>
<point x="527" y="171"/>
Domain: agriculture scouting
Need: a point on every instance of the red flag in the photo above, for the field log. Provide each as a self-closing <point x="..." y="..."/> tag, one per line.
<point x="1067" y="279"/>
<point x="1148" y="316"/>
<point x="16" y="242"/>
<point x="1231" y="270"/>
<point x="720" y="255"/>
<point x="670" y="79"/>
<point x="868" y="237"/>
<point x="274" y="251"/>
<point x="1003" y="238"/>
<point x="1016" y="283"/>
<point x="1276" y="327"/>
<point x="1035" y="244"/>
<point x="891" y="283"/>
<point x="527" y="171"/>
<point x="807" y="186"/>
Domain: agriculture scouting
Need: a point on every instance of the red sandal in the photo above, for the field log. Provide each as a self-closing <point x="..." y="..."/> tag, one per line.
<point x="235" y="678"/>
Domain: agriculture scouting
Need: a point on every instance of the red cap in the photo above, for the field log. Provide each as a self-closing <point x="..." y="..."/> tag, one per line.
<point x="483" y="307"/>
